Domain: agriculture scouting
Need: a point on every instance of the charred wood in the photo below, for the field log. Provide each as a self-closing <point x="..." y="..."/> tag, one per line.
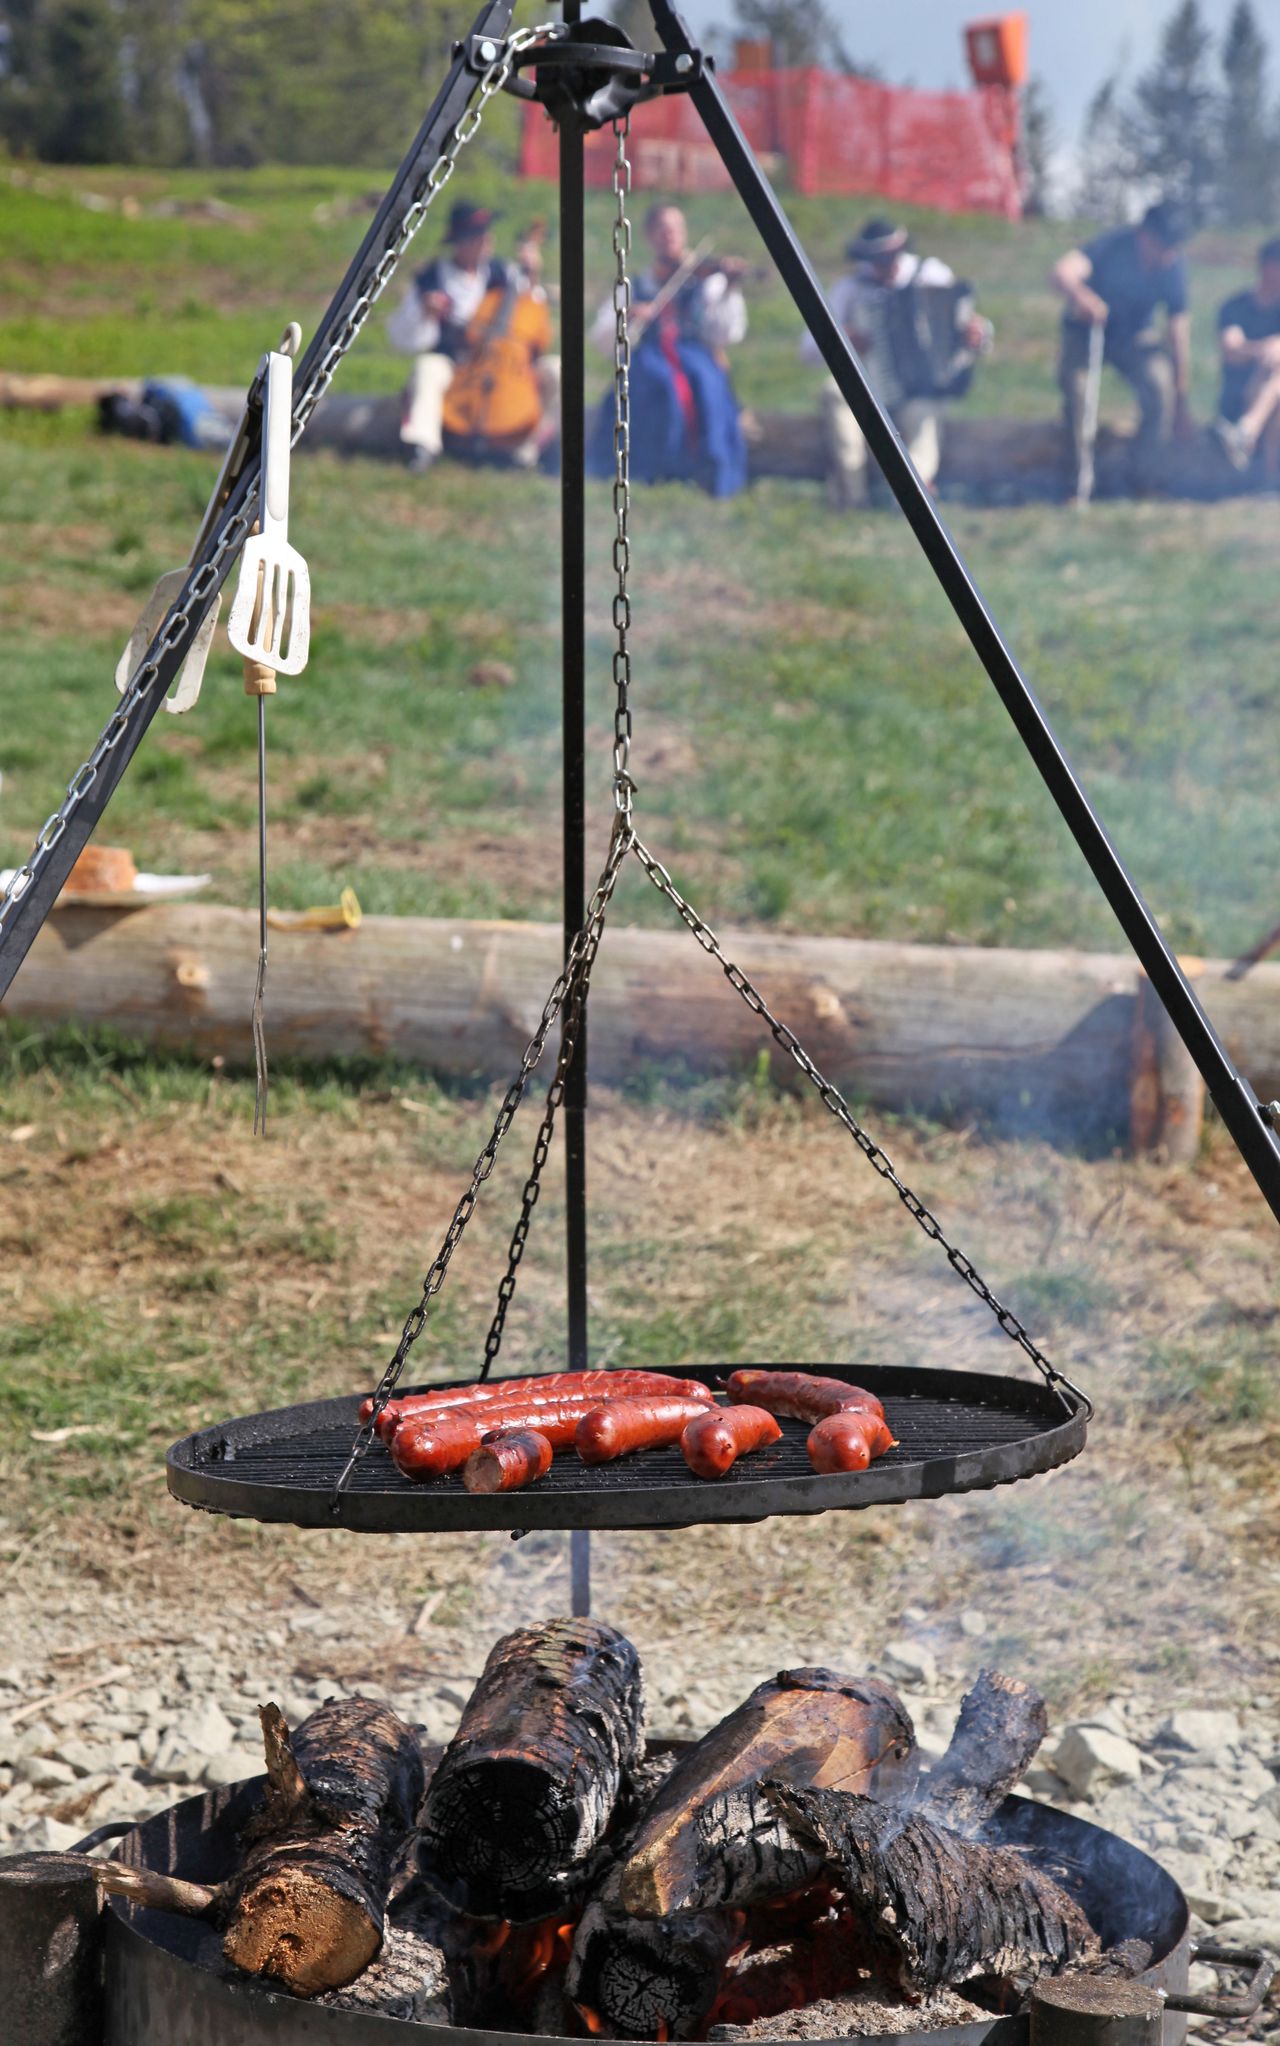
<point x="708" y="1838"/>
<point x="309" y="1904"/>
<point x="649" y="1978"/>
<point x="709" y="1844"/>
<point x="827" y="1960"/>
<point x="529" y="1784"/>
<point x="1000" y="1725"/>
<point x="938" y="1909"/>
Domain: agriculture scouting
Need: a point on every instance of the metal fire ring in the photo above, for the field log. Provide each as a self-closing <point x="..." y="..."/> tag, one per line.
<point x="958" y="1431"/>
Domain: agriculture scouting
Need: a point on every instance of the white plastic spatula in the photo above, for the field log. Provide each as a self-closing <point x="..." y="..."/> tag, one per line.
<point x="270" y="619"/>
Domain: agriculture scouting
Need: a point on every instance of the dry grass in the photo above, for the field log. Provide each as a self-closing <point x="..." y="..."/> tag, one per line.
<point x="161" y="1268"/>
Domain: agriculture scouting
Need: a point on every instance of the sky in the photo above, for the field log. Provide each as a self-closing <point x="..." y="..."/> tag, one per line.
<point x="1074" y="43"/>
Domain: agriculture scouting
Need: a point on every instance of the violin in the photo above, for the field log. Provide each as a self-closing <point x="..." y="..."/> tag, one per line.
<point x="494" y="395"/>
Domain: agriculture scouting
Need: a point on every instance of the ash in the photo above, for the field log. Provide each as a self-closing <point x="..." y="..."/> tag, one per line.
<point x="866" y="2014"/>
<point x="406" y="1981"/>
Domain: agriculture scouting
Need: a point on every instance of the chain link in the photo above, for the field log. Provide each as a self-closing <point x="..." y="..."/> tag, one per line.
<point x="832" y="1099"/>
<point x="580" y="958"/>
<point x="623" y="786"/>
<point x="206" y="577"/>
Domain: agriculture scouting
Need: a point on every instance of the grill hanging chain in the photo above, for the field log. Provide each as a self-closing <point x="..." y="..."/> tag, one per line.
<point x="832" y="1099"/>
<point x="208" y="574"/>
<point x="623" y="786"/>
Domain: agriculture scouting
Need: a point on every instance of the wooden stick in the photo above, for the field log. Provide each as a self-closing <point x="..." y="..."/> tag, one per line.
<point x="36" y="1705"/>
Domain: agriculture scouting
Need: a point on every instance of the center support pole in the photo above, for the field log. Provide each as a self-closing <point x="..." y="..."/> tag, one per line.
<point x="573" y="598"/>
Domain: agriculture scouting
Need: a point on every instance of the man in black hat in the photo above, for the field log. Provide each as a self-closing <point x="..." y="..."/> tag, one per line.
<point x="1118" y="282"/>
<point x="431" y="324"/>
<point x="878" y="301"/>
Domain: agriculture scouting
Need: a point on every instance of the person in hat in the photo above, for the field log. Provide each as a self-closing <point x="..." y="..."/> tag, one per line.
<point x="688" y="310"/>
<point x="1248" y="422"/>
<point x="1120" y="281"/>
<point x="876" y="301"/>
<point x="431" y="324"/>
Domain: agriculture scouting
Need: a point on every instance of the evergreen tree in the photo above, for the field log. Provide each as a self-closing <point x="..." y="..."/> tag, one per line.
<point x="1104" y="172"/>
<point x="1169" y="130"/>
<point x="76" y="83"/>
<point x="1036" y="146"/>
<point x="1249" y="159"/>
<point x="803" y="33"/>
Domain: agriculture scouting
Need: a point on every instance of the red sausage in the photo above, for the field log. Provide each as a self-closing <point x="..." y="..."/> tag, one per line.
<point x="415" y="1437"/>
<point x="557" y="1385"/>
<point x="801" y="1395"/>
<point x="714" y="1441"/>
<point x="428" y="1446"/>
<point x="625" y="1425"/>
<point x="507" y="1459"/>
<point x="848" y="1441"/>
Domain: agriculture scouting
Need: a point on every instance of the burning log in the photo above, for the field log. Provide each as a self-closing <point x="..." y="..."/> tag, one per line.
<point x="528" y="1786"/>
<point x="708" y="1838"/>
<point x="1001" y="1724"/>
<point x="652" y="1943"/>
<point x="938" y="1909"/>
<point x="309" y="1904"/>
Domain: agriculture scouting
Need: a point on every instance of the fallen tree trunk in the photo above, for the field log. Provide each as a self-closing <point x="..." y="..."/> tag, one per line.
<point x="309" y="1904"/>
<point x="528" y="1786"/>
<point x="937" y="1909"/>
<point x="1000" y="1725"/>
<point x="1036" y="1042"/>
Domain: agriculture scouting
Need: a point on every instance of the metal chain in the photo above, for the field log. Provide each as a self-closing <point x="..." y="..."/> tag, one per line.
<point x="623" y="786"/>
<point x="581" y="952"/>
<point x="833" y="1099"/>
<point x="206" y="579"/>
<point x="576" y="1006"/>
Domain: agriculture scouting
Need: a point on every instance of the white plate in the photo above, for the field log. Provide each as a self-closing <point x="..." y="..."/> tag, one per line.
<point x="146" y="888"/>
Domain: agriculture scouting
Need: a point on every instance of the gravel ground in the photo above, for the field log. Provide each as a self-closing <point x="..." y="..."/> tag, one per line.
<point x="133" y="1711"/>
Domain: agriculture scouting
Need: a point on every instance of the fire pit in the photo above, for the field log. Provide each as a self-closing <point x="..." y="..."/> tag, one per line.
<point x="792" y="1875"/>
<point x="168" y="1986"/>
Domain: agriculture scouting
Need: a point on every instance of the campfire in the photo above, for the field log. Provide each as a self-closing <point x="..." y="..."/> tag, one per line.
<point x="551" y="1873"/>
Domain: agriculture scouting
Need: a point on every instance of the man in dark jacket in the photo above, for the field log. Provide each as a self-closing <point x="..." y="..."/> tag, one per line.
<point x="1248" y="424"/>
<point x="1119" y="282"/>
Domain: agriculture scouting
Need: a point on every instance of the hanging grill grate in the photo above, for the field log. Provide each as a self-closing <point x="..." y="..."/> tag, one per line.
<point x="958" y="1431"/>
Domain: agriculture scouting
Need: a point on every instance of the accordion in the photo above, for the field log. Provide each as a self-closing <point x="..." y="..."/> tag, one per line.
<point x="925" y="330"/>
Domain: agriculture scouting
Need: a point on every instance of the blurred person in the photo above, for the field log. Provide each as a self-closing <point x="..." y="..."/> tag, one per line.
<point x="915" y="359"/>
<point x="1248" y="423"/>
<point x="434" y="324"/>
<point x="1118" y="282"/>
<point x="687" y="312"/>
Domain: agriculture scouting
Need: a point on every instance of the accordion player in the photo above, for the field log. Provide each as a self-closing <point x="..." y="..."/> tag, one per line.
<point x="919" y="334"/>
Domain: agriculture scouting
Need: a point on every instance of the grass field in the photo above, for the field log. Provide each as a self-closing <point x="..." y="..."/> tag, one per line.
<point x="816" y="749"/>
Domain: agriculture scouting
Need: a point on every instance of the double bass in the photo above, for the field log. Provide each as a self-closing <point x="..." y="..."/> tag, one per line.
<point x="494" y="403"/>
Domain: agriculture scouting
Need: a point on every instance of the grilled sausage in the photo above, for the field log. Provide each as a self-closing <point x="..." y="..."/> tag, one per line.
<point x="801" y="1395"/>
<point x="848" y="1441"/>
<point x="625" y="1425"/>
<point x="557" y="1385"/>
<point x="713" y="1442"/>
<point x="507" y="1459"/>
<point x="429" y="1445"/>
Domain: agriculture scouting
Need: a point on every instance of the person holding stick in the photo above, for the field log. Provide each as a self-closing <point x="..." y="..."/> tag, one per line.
<point x="1119" y="282"/>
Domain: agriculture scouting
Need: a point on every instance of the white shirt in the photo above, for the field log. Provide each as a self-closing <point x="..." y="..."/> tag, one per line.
<point x="857" y="299"/>
<point x="721" y="313"/>
<point x="415" y="330"/>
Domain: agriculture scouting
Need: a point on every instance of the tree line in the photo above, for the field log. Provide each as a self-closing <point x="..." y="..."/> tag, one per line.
<point x="1198" y="125"/>
<point x="239" y="82"/>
